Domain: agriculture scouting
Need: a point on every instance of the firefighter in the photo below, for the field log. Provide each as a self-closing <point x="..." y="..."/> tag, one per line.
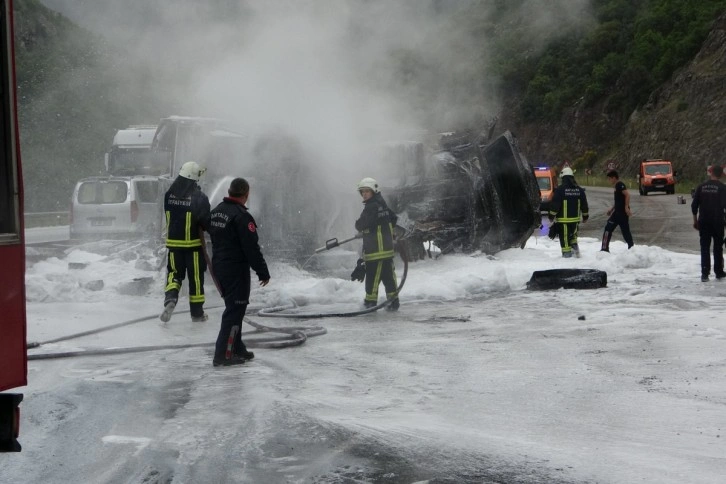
<point x="187" y="213"/>
<point x="708" y="208"/>
<point x="235" y="250"/>
<point x="569" y="203"/>
<point x="376" y="224"/>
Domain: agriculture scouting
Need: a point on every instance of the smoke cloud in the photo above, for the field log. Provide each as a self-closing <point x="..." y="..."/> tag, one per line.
<point x="341" y="77"/>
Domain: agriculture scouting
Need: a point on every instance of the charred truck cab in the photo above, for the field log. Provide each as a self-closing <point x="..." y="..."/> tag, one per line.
<point x="13" y="370"/>
<point x="656" y="176"/>
<point x="473" y="193"/>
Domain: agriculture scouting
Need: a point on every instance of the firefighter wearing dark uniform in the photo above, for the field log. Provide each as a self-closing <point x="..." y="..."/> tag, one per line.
<point x="235" y="250"/>
<point x="187" y="212"/>
<point x="376" y="224"/>
<point x="569" y="204"/>
<point x="708" y="207"/>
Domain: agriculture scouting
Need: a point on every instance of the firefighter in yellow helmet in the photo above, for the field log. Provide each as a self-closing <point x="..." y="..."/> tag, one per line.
<point x="187" y="212"/>
<point x="376" y="223"/>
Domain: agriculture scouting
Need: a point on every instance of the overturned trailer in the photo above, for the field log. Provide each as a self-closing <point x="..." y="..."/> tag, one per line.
<point x="472" y="194"/>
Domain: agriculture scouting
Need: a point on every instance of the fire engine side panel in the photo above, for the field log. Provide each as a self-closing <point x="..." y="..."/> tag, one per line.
<point x="13" y="361"/>
<point x="13" y="370"/>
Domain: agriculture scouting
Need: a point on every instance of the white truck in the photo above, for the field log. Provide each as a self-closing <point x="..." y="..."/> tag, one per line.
<point x="131" y="153"/>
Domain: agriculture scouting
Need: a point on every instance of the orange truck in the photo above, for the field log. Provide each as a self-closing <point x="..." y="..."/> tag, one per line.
<point x="656" y="176"/>
<point x="547" y="182"/>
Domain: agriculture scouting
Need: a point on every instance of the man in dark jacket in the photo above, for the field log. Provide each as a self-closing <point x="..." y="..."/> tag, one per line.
<point x="376" y="224"/>
<point x="619" y="214"/>
<point x="235" y="250"/>
<point x="569" y="204"/>
<point x="187" y="214"/>
<point x="708" y="208"/>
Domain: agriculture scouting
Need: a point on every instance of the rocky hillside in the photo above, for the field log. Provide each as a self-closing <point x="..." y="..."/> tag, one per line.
<point x="683" y="121"/>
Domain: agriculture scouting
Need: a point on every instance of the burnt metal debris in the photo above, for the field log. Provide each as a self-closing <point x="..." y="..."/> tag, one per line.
<point x="471" y="194"/>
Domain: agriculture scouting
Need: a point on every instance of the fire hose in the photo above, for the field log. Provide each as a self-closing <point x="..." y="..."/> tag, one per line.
<point x="277" y="312"/>
<point x="294" y="336"/>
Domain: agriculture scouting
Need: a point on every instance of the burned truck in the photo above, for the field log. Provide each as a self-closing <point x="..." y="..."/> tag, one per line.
<point x="469" y="194"/>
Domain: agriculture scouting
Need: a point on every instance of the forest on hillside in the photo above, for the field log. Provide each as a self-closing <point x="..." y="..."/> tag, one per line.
<point x="633" y="47"/>
<point x="76" y="87"/>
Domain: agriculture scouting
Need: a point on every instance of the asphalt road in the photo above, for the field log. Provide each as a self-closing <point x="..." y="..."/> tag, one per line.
<point x="658" y="219"/>
<point x="438" y="392"/>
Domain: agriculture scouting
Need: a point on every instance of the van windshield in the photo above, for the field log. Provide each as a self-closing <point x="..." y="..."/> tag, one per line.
<point x="544" y="183"/>
<point x="659" y="169"/>
<point x="102" y="192"/>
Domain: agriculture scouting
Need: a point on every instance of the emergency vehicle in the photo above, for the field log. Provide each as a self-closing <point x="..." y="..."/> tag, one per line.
<point x="656" y="175"/>
<point x="547" y="182"/>
<point x="13" y="355"/>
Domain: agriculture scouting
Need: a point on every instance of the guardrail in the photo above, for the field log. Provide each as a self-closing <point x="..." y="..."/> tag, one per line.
<point x="46" y="219"/>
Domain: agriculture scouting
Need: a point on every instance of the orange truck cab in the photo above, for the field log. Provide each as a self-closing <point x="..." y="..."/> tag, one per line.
<point x="547" y="181"/>
<point x="656" y="176"/>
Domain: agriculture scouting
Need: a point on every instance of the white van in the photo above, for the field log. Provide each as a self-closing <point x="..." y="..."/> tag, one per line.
<point x="115" y="207"/>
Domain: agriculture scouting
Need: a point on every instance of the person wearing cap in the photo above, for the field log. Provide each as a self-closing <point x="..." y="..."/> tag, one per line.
<point x="709" y="208"/>
<point x="619" y="214"/>
<point x="376" y="224"/>
<point x="569" y="205"/>
<point x="186" y="209"/>
<point x="235" y="250"/>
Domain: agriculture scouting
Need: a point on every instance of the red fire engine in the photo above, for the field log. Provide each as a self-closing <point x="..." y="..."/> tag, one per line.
<point x="13" y="356"/>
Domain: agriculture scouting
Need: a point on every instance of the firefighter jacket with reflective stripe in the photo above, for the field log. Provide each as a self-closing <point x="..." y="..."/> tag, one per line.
<point x="568" y="202"/>
<point x="235" y="244"/>
<point x="376" y="223"/>
<point x="184" y="216"/>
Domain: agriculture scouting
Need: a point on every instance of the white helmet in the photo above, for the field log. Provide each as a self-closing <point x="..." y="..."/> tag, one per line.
<point x="191" y="170"/>
<point x="567" y="171"/>
<point x="368" y="183"/>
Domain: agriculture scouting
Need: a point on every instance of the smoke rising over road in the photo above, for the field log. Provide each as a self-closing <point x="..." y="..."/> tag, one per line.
<point x="339" y="75"/>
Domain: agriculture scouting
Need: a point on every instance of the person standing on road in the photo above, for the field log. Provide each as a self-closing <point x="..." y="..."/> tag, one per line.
<point x="235" y="249"/>
<point x="709" y="208"/>
<point x="376" y="223"/>
<point x="618" y="214"/>
<point x="569" y="204"/>
<point x="187" y="213"/>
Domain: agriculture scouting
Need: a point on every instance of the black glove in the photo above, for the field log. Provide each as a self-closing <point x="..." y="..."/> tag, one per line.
<point x="585" y="217"/>
<point x="553" y="231"/>
<point x="359" y="273"/>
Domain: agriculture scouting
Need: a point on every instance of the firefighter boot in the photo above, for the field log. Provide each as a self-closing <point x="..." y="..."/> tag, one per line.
<point x="169" y="306"/>
<point x="394" y="305"/>
<point x="234" y="360"/>
<point x="201" y="318"/>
